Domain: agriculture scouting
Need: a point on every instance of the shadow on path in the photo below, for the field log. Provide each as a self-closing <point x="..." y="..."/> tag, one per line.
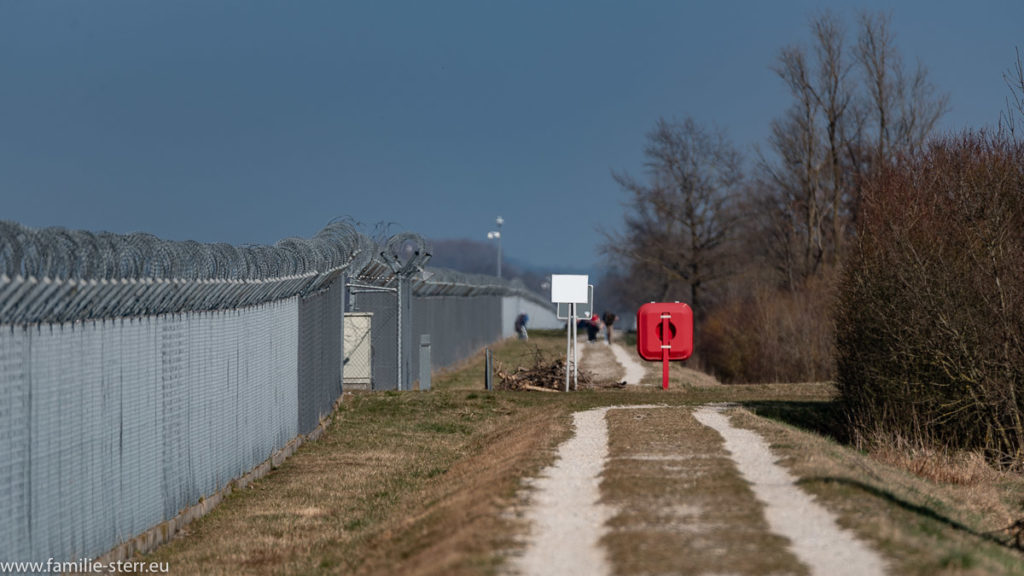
<point x="823" y="418"/>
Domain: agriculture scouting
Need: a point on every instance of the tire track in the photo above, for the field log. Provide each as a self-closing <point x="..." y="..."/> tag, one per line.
<point x="567" y="517"/>
<point x="815" y="537"/>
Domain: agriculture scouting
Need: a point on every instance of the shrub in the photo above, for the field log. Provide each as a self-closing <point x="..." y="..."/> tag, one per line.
<point x="930" y="319"/>
<point x="769" y="334"/>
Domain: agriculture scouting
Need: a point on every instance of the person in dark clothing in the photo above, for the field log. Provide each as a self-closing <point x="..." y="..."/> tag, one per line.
<point x="593" y="327"/>
<point x="521" y="321"/>
<point x="609" y="319"/>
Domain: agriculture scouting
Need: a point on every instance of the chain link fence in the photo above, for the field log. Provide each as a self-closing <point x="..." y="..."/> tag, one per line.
<point x="461" y="313"/>
<point x="381" y="304"/>
<point x="139" y="376"/>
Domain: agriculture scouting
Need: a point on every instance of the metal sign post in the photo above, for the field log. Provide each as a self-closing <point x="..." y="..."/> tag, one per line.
<point x="568" y="342"/>
<point x="570" y="291"/>
<point x="575" y="350"/>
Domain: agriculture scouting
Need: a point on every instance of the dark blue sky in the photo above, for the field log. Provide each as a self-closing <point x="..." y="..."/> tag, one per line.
<point x="253" y="121"/>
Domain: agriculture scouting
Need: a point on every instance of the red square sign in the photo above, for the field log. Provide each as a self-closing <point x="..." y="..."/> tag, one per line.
<point x="653" y="319"/>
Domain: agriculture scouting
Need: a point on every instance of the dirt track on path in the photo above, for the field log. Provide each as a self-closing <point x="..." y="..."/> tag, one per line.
<point x="681" y="491"/>
<point x="814" y="536"/>
<point x="567" y="515"/>
<point x="635" y="370"/>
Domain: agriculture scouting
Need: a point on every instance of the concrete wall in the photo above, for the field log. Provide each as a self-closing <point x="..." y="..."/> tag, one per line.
<point x="542" y="316"/>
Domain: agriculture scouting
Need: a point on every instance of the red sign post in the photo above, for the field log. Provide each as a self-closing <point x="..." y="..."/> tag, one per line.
<point x="664" y="331"/>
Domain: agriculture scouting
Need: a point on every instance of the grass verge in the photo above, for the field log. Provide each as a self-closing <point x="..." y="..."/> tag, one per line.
<point x="424" y="483"/>
<point x="923" y="526"/>
<point x="410" y="483"/>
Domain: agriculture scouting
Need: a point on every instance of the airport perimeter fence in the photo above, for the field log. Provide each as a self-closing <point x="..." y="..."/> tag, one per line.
<point x="459" y="313"/>
<point x="139" y="376"/>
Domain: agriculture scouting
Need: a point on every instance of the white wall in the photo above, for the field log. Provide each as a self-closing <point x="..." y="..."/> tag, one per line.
<point x="541" y="317"/>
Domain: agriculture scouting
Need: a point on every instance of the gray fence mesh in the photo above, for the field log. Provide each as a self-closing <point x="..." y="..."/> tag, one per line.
<point x="114" y="426"/>
<point x="458" y="327"/>
<point x="321" y="333"/>
<point x="139" y="375"/>
<point x="383" y="305"/>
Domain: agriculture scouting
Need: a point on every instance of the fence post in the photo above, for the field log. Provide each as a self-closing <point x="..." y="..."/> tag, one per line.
<point x="398" y="299"/>
<point x="424" y="362"/>
<point x="488" y="366"/>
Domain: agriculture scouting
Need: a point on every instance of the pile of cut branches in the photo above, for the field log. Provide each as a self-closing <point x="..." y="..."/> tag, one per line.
<point x="544" y="376"/>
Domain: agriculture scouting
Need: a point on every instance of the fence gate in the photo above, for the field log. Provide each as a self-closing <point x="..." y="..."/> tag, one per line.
<point x="358" y="352"/>
<point x="381" y="302"/>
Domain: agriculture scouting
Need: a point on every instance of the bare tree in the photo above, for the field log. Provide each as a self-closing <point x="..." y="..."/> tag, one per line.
<point x="838" y="132"/>
<point x="769" y="233"/>
<point x="834" y="96"/>
<point x="679" y="220"/>
<point x="795" y="139"/>
<point x="904" y="106"/>
<point x="875" y="46"/>
<point x="1014" y="78"/>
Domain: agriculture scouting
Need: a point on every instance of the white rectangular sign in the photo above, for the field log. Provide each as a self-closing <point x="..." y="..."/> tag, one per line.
<point x="583" y="310"/>
<point x="569" y="287"/>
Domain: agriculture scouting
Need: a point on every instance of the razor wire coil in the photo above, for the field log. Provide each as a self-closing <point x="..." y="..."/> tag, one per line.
<point x="57" y="275"/>
<point x="60" y="275"/>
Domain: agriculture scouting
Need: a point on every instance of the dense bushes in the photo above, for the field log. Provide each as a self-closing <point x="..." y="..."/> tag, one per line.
<point x="930" y="319"/>
<point x="768" y="334"/>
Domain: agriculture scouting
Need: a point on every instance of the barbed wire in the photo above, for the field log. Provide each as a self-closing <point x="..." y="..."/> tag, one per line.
<point x="60" y="275"/>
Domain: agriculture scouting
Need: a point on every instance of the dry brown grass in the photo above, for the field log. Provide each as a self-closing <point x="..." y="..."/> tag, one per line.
<point x="690" y="377"/>
<point x="941" y="466"/>
<point x="951" y="523"/>
<point x="410" y="483"/>
<point x="469" y="374"/>
<point x="401" y="484"/>
<point x="422" y="483"/>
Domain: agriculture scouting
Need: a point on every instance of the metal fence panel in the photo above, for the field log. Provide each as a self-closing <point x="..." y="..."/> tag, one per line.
<point x="168" y="406"/>
<point x="111" y="427"/>
<point x="458" y="326"/>
<point x="320" y="354"/>
<point x="138" y="376"/>
<point x="383" y="335"/>
<point x="15" y="435"/>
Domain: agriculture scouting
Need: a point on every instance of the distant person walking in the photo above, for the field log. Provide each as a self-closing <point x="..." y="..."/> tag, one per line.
<point x="593" y="327"/>
<point x="609" y="319"/>
<point x="521" y="321"/>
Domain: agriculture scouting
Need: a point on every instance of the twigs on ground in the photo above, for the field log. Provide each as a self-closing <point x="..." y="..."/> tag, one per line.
<point x="545" y="376"/>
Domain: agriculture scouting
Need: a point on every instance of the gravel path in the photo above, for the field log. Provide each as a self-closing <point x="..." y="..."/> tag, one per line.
<point x="568" y="519"/>
<point x="816" y="538"/>
<point x="635" y="370"/>
<point x="565" y="513"/>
